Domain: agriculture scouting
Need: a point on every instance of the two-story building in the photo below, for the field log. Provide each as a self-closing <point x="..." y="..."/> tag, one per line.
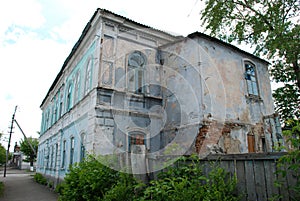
<point x="144" y="94"/>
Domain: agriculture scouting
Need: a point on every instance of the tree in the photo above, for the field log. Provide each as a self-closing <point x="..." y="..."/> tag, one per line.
<point x="2" y="155"/>
<point x="272" y="26"/>
<point x="27" y="150"/>
<point x="2" y="152"/>
<point x="289" y="164"/>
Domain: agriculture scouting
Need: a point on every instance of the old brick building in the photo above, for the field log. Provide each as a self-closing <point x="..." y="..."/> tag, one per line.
<point x="140" y="93"/>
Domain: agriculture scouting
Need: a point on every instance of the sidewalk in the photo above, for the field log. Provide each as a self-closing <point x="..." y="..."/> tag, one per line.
<point x="20" y="186"/>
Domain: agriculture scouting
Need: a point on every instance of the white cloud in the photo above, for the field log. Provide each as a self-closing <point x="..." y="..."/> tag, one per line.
<point x="25" y="13"/>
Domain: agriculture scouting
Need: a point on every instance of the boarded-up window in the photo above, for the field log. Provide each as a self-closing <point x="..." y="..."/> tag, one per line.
<point x="108" y="47"/>
<point x="88" y="76"/>
<point x="107" y="73"/>
<point x="251" y="143"/>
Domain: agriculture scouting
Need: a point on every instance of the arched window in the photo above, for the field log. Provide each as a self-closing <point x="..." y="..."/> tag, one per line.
<point x="136" y="63"/>
<point x="61" y="101"/>
<point x="56" y="107"/>
<point x="88" y="77"/>
<point x="77" y="87"/>
<point x="69" y="97"/>
<point x="251" y="78"/>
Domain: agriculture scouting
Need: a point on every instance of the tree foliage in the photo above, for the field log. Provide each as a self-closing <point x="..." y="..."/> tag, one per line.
<point x="2" y="154"/>
<point x="26" y="149"/>
<point x="272" y="26"/>
<point x="289" y="164"/>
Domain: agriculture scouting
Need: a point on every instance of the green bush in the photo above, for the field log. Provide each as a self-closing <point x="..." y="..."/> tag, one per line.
<point x="92" y="181"/>
<point x="88" y="180"/>
<point x="186" y="181"/>
<point x="39" y="178"/>
<point x="60" y="188"/>
<point x="124" y="189"/>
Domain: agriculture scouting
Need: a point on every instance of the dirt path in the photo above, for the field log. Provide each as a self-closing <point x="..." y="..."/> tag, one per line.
<point x="20" y="186"/>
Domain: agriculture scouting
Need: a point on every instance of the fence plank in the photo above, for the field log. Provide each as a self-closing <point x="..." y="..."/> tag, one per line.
<point x="249" y="172"/>
<point x="241" y="179"/>
<point x="260" y="185"/>
<point x="270" y="177"/>
<point x="292" y="178"/>
<point x="284" y="188"/>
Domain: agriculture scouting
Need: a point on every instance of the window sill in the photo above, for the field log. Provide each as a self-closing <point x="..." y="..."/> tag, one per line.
<point x="253" y="98"/>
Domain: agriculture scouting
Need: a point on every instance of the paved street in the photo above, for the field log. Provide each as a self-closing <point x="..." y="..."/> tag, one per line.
<point x="20" y="186"/>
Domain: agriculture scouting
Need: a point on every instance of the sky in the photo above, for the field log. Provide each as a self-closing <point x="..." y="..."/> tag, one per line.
<point x="36" y="36"/>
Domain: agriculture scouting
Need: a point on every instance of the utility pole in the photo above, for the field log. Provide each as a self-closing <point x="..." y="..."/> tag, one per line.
<point x="8" y="146"/>
<point x="33" y="150"/>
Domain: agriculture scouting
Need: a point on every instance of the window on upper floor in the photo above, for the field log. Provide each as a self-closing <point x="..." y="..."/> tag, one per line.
<point x="47" y="120"/>
<point x="77" y="87"/>
<point x="69" y="97"/>
<point x="56" y="109"/>
<point x="53" y="113"/>
<point x="251" y="79"/>
<point x="136" y="64"/>
<point x="88" y="77"/>
<point x="61" y="99"/>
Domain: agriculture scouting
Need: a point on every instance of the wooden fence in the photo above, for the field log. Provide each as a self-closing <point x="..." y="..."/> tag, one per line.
<point x="256" y="175"/>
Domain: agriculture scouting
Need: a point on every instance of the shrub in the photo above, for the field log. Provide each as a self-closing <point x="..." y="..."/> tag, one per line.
<point x="91" y="180"/>
<point x="60" y="188"/>
<point x="39" y="178"/>
<point x="186" y="181"/>
<point x="88" y="180"/>
<point x="124" y="189"/>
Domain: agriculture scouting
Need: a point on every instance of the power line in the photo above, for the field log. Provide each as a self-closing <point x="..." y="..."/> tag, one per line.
<point x="192" y="8"/>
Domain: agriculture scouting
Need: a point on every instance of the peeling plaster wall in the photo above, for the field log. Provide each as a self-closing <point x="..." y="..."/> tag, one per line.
<point x="119" y="111"/>
<point x="221" y="93"/>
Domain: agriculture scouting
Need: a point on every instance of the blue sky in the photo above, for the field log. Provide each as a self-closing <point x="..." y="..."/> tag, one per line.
<point x="36" y="36"/>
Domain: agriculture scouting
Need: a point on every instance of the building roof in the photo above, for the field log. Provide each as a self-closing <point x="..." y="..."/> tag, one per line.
<point x="202" y="35"/>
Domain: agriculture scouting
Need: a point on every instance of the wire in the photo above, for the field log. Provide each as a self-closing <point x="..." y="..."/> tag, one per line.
<point x="192" y="8"/>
